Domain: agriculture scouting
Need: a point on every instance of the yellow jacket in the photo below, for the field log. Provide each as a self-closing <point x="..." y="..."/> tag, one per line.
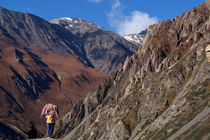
<point x="50" y="119"/>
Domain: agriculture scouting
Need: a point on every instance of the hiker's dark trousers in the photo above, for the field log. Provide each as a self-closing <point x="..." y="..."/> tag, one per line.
<point x="50" y="128"/>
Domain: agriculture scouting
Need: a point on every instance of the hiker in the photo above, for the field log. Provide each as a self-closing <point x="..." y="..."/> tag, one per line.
<point x="50" y="112"/>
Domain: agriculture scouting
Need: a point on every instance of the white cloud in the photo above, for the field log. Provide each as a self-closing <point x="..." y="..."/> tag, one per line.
<point x="96" y="1"/>
<point x="125" y="25"/>
<point x="135" y="23"/>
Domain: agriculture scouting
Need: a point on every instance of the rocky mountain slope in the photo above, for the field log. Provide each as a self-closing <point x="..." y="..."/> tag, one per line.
<point x="105" y="50"/>
<point x="35" y="71"/>
<point x="30" y="30"/>
<point x="162" y="92"/>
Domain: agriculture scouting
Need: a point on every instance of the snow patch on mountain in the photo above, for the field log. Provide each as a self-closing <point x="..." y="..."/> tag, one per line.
<point x="67" y="18"/>
<point x="76" y="25"/>
<point x="136" y="38"/>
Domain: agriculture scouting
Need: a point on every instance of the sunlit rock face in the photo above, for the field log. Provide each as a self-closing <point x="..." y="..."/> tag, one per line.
<point x="159" y="90"/>
<point x="208" y="53"/>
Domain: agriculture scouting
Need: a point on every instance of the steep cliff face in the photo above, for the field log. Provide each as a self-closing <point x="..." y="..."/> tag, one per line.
<point x="105" y="50"/>
<point x="159" y="91"/>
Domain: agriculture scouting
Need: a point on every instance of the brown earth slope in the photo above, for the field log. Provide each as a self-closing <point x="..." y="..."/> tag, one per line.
<point x="30" y="79"/>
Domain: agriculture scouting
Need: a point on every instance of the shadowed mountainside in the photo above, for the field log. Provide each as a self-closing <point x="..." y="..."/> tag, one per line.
<point x="106" y="50"/>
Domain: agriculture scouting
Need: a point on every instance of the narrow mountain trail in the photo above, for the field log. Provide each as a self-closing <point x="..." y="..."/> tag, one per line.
<point x="198" y="118"/>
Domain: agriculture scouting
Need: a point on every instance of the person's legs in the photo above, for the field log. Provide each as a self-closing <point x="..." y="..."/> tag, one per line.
<point x="50" y="129"/>
<point x="53" y="124"/>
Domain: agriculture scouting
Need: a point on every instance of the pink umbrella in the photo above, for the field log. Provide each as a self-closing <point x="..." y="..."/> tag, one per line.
<point x="50" y="109"/>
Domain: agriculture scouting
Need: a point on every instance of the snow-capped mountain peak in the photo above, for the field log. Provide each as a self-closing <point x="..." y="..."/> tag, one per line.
<point x="76" y="25"/>
<point x="136" y="38"/>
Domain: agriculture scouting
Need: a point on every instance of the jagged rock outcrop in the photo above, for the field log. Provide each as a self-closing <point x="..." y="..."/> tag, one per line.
<point x="105" y="50"/>
<point x="159" y="90"/>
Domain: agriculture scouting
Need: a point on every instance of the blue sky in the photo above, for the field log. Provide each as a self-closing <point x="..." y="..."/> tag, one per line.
<point x="120" y="16"/>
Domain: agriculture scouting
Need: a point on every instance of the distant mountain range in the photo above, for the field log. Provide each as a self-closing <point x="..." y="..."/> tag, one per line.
<point x="105" y="50"/>
<point x="79" y="27"/>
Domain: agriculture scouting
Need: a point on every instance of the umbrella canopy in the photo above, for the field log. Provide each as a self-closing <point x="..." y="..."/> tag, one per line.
<point x="50" y="109"/>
